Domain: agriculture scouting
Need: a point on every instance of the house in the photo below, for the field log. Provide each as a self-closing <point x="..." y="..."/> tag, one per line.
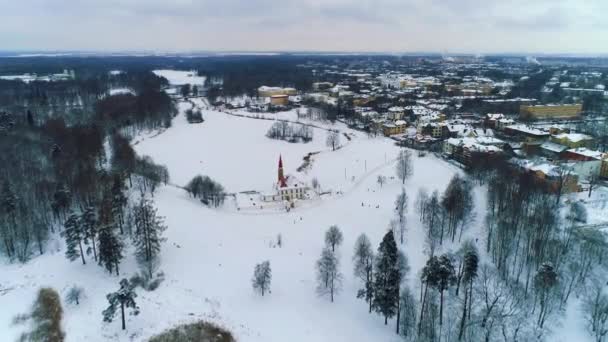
<point x="550" y="111"/>
<point x="265" y="91"/>
<point x="552" y="150"/>
<point x="466" y="150"/>
<point x="437" y="130"/>
<point x="584" y="162"/>
<point x="526" y="133"/>
<point x="574" y="140"/>
<point x="279" y="100"/>
<point x="287" y="189"/>
<point x="396" y="113"/>
<point x="397" y="127"/>
<point x="491" y="120"/>
<point x="502" y="123"/>
<point x="551" y="177"/>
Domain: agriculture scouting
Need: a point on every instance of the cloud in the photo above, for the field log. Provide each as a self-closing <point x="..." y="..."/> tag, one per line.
<point x="354" y="25"/>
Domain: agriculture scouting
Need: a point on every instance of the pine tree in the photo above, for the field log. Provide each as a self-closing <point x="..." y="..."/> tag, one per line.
<point x="387" y="278"/>
<point x="363" y="259"/>
<point x="147" y="238"/>
<point x="30" y="118"/>
<point x="262" y="275"/>
<point x="471" y="265"/>
<point x="544" y="281"/>
<point x="445" y="276"/>
<point x="110" y="247"/>
<point x="333" y="237"/>
<point x="74" y="237"/>
<point x="123" y="298"/>
<point x="8" y="208"/>
<point x="88" y="222"/>
<point x="46" y="318"/>
<point x="428" y="276"/>
<point x="119" y="201"/>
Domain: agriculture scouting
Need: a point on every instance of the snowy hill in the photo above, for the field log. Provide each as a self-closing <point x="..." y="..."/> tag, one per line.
<point x="209" y="255"/>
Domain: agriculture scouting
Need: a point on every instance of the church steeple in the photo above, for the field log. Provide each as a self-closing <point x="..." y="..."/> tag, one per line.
<point x="281" y="179"/>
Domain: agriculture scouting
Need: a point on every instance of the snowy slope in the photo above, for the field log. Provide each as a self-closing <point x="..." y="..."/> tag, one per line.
<point x="210" y="254"/>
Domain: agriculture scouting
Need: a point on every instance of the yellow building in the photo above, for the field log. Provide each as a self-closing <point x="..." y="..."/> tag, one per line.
<point x="604" y="167"/>
<point x="574" y="140"/>
<point x="397" y="127"/>
<point x="265" y="91"/>
<point x="279" y="100"/>
<point x="538" y="112"/>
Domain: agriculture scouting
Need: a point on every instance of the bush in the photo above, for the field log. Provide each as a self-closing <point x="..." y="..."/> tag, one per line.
<point x="209" y="191"/>
<point x="45" y="317"/>
<point x="194" y="116"/>
<point x="282" y="130"/>
<point x="199" y="332"/>
<point x="74" y="295"/>
<point x="145" y="282"/>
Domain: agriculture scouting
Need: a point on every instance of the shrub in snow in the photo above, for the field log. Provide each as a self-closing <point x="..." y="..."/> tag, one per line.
<point x="209" y="191"/>
<point x="198" y="331"/>
<point x="147" y="282"/>
<point x="45" y="318"/>
<point x="74" y="295"/>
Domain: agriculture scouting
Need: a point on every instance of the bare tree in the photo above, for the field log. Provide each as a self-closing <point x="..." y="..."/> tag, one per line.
<point x="363" y="260"/>
<point x="262" y="275"/>
<point x="333" y="140"/>
<point x="400" y="210"/>
<point x="404" y="167"/>
<point x="333" y="237"/>
<point x="329" y="278"/>
<point x="595" y="309"/>
<point x="381" y="180"/>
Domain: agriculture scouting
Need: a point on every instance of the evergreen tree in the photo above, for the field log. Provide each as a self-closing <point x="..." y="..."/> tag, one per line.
<point x="363" y="259"/>
<point x="45" y="317"/>
<point x="147" y="238"/>
<point x="387" y="278"/>
<point x="110" y="247"/>
<point x="30" y="118"/>
<point x="445" y="276"/>
<point x="262" y="275"/>
<point x="74" y="237"/>
<point x="8" y="207"/>
<point x="88" y="222"/>
<point x="123" y="298"/>
<point x="333" y="237"/>
<point x="544" y="281"/>
<point x="471" y="265"/>
<point x="119" y="201"/>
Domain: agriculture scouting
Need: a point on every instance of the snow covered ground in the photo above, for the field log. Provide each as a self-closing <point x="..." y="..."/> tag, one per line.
<point x="209" y="255"/>
<point x="179" y="77"/>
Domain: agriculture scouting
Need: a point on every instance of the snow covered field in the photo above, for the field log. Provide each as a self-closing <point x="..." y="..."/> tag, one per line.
<point x="179" y="77"/>
<point x="209" y="255"/>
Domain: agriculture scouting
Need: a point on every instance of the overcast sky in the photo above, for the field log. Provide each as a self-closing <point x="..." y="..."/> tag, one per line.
<point x="472" y="26"/>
